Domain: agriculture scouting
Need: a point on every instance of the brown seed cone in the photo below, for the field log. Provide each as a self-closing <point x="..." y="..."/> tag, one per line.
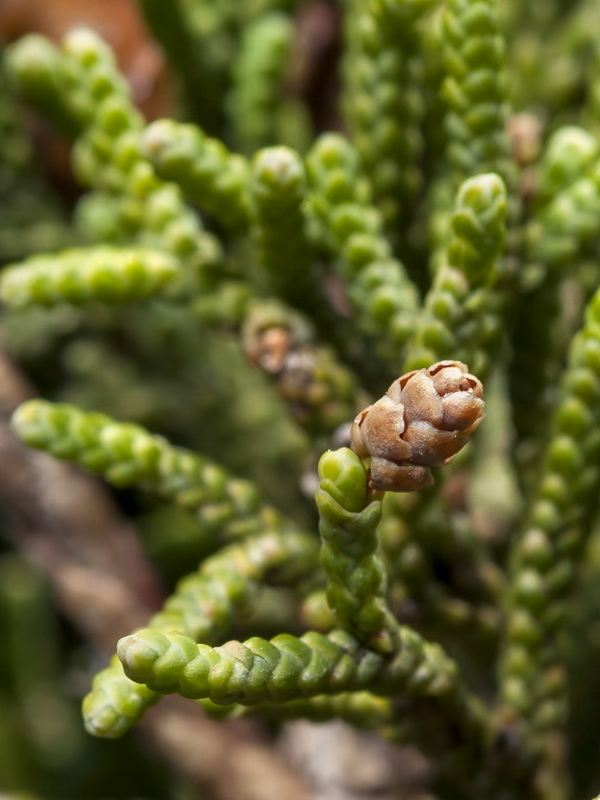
<point x="423" y="420"/>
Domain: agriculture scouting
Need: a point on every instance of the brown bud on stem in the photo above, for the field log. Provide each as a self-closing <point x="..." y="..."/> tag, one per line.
<point x="423" y="420"/>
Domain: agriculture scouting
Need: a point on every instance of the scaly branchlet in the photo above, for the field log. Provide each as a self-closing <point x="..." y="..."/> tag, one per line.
<point x="79" y="276"/>
<point x="278" y="191"/>
<point x="159" y="221"/>
<point x="559" y="237"/>
<point x="256" y="101"/>
<point x="356" y="579"/>
<point x="206" y="172"/>
<point x="425" y="418"/>
<point x="568" y="198"/>
<point x="548" y="552"/>
<point x="568" y="155"/>
<point x="345" y="222"/>
<point x="362" y="709"/>
<point x="383" y="101"/>
<point x="287" y="667"/>
<point x="37" y="69"/>
<point x="115" y="703"/>
<point x="475" y="90"/>
<point x="127" y="455"/>
<point x="461" y="312"/>
<point x="204" y="605"/>
<point x="107" y="153"/>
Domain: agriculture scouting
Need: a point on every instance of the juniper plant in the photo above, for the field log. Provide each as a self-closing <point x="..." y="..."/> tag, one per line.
<point x="301" y="332"/>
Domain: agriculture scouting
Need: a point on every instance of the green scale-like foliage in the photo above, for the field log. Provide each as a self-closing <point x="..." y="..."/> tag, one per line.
<point x="384" y="104"/>
<point x="205" y="605"/>
<point x="259" y="113"/>
<point x="107" y="128"/>
<point x="475" y="89"/>
<point x="560" y="238"/>
<point x="278" y="189"/>
<point x="206" y="171"/>
<point x="221" y="240"/>
<point x="354" y="568"/>
<point x="346" y="223"/>
<point x="127" y="455"/>
<point x="32" y="218"/>
<point x="461" y="313"/>
<point x="281" y="669"/>
<point x="569" y="185"/>
<point x="107" y="275"/>
<point x="550" y="546"/>
<point x="362" y="709"/>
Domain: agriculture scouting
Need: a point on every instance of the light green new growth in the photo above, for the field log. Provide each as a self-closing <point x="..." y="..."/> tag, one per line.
<point x="460" y="318"/>
<point x="286" y="668"/>
<point x="350" y="228"/>
<point x="568" y="156"/>
<point x="127" y="455"/>
<point x="204" y="605"/>
<point x="356" y="579"/>
<point x="106" y="275"/>
<point x="115" y="703"/>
